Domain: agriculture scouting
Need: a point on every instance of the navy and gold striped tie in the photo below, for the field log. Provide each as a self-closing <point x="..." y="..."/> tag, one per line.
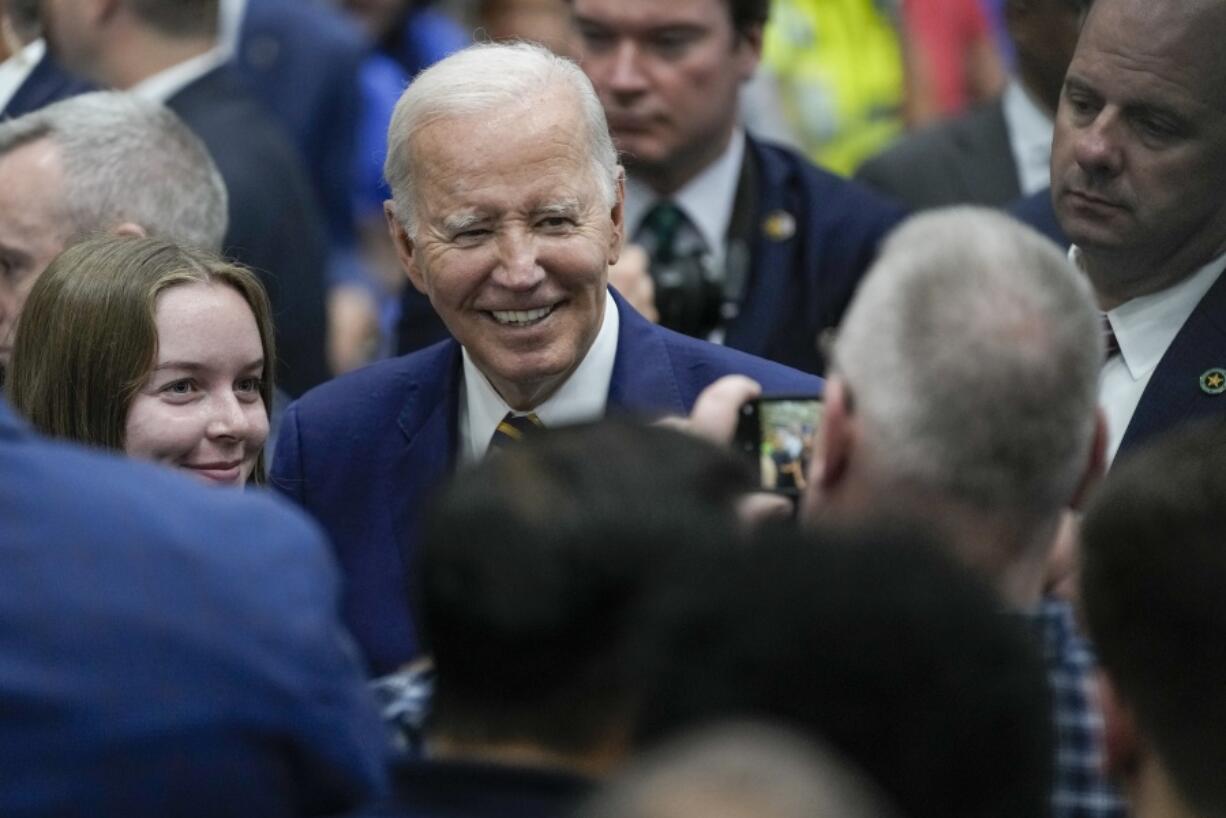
<point x="513" y="429"/>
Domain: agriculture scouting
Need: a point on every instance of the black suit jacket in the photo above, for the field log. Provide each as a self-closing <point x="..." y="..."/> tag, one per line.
<point x="47" y="83"/>
<point x="964" y="160"/>
<point x="275" y="226"/>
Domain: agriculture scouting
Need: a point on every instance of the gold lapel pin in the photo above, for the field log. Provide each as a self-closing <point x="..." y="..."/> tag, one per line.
<point x="1213" y="381"/>
<point x="779" y="225"/>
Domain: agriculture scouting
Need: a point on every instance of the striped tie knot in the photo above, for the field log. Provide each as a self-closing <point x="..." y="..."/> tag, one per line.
<point x="514" y="428"/>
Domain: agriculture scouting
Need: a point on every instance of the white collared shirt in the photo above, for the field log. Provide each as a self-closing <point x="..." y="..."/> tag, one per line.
<point x="166" y="83"/>
<point x="230" y="14"/>
<point x="1030" y="131"/>
<point x="706" y="200"/>
<point x="581" y="398"/>
<point x="17" y="69"/>
<point x="1144" y="328"/>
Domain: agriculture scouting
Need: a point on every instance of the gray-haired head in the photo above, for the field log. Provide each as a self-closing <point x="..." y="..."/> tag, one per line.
<point x="128" y="160"/>
<point x="482" y="78"/>
<point x="737" y="771"/>
<point x="972" y="352"/>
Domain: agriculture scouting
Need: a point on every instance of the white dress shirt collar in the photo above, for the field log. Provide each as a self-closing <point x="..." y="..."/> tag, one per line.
<point x="1144" y="328"/>
<point x="163" y="85"/>
<point x="17" y="69"/>
<point x="581" y="398"/>
<point x="230" y="14"/>
<point x="707" y="199"/>
<point x="1030" y="131"/>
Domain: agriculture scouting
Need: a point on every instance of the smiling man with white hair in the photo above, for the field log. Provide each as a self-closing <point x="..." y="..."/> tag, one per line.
<point x="507" y="212"/>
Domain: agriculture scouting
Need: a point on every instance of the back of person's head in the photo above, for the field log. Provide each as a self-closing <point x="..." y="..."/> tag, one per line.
<point x="878" y="644"/>
<point x="536" y="564"/>
<point x="741" y="770"/>
<point x="1152" y="579"/>
<point x="971" y="354"/>
<point x="178" y="18"/>
<point x="127" y="160"/>
<point x="88" y="334"/>
<point x="483" y="79"/>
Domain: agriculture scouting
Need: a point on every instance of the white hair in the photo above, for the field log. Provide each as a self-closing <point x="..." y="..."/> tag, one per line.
<point x="972" y="352"/>
<point x="482" y="78"/>
<point x="128" y="160"/>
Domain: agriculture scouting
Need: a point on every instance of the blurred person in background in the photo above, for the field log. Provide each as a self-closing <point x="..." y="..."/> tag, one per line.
<point x="29" y="77"/>
<point x="171" y="53"/>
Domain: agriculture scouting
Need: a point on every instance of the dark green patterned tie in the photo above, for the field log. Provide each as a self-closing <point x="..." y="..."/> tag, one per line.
<point x="663" y="222"/>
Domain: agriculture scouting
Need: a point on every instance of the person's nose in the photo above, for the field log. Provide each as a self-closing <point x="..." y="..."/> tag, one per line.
<point x="626" y="74"/>
<point x="518" y="267"/>
<point x="1098" y="149"/>
<point x="228" y="418"/>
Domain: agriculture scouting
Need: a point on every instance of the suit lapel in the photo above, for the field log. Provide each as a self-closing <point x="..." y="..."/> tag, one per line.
<point x="764" y="301"/>
<point x="428" y="424"/>
<point x="1173" y="394"/>
<point x="643" y="382"/>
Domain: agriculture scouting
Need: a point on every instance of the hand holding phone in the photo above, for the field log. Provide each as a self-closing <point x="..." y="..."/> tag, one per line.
<point x="779" y="434"/>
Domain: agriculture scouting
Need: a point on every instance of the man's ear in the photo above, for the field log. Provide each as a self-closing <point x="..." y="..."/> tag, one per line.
<point x="838" y="435"/>
<point x="130" y="230"/>
<point x="748" y="50"/>
<point x="1121" y="743"/>
<point x="618" y="217"/>
<point x="1096" y="463"/>
<point x="406" y="250"/>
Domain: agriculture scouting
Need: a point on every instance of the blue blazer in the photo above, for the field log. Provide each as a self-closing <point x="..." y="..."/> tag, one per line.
<point x="800" y="281"/>
<point x="1037" y="211"/>
<point x="301" y="60"/>
<point x="1173" y="394"/>
<point x="275" y="226"/>
<point x="47" y="83"/>
<point x="363" y="452"/>
<point x="167" y="648"/>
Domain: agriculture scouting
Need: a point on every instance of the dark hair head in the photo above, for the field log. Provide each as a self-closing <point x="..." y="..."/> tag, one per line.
<point x="879" y="645"/>
<point x="534" y="567"/>
<point x="88" y="338"/>
<point x="1152" y="579"/>
<point x="748" y="14"/>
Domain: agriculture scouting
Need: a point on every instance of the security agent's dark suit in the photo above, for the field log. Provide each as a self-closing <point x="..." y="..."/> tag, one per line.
<point x="810" y="235"/>
<point x="275" y="225"/>
<point x="47" y="83"/>
<point x="168" y="648"/>
<point x="963" y="160"/>
<point x="301" y="60"/>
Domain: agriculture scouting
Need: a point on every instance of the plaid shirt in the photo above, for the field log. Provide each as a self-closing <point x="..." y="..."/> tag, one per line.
<point x="1082" y="789"/>
<point x="404" y="702"/>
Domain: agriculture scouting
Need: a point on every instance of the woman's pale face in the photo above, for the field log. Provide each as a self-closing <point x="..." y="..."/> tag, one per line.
<point x="200" y="408"/>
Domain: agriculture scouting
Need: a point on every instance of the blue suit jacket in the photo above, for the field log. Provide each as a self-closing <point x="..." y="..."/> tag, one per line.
<point x="275" y="226"/>
<point x="1173" y="394"/>
<point x="1037" y="211"/>
<point x="47" y="83"/>
<point x="167" y="648"/>
<point x="363" y="452"/>
<point x="302" y="60"/>
<point x="800" y="283"/>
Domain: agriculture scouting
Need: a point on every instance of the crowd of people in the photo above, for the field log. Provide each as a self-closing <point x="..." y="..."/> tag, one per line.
<point x="258" y="559"/>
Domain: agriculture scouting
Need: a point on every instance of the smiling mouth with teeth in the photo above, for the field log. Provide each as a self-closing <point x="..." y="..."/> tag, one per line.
<point x="520" y="318"/>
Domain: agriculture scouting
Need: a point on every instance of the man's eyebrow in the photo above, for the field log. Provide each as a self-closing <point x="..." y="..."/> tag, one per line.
<point x="459" y="222"/>
<point x="563" y="207"/>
